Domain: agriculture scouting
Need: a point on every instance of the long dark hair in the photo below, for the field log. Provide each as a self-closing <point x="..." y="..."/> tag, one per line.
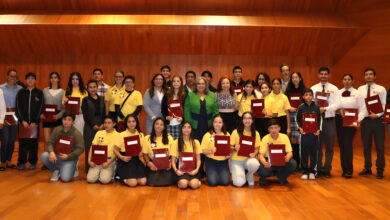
<point x="240" y="127"/>
<point x="164" y="86"/>
<point x="291" y="88"/>
<point x="59" y="78"/>
<point x="165" y="139"/>
<point x="211" y="128"/>
<point x="180" y="141"/>
<point x="249" y="82"/>
<point x="171" y="91"/>
<point x="69" y="89"/>
<point x="136" y="122"/>
<point x="266" y="78"/>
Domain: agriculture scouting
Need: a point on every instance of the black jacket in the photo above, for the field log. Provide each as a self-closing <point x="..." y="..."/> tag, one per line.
<point x="309" y="109"/>
<point x="29" y="105"/>
<point x="388" y="97"/>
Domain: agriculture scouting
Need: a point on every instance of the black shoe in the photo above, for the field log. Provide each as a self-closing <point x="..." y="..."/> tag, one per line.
<point x="327" y="174"/>
<point x="44" y="167"/>
<point x="2" y="168"/>
<point x="379" y="175"/>
<point x="262" y="181"/>
<point x="348" y="175"/>
<point x="11" y="166"/>
<point x="365" y="172"/>
<point x="284" y="182"/>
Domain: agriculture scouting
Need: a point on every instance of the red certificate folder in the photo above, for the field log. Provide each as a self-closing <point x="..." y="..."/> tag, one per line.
<point x="386" y="116"/>
<point x="222" y="143"/>
<point x="73" y="105"/>
<point x="310" y="123"/>
<point x="276" y="153"/>
<point x="295" y="100"/>
<point x="247" y="145"/>
<point x="132" y="146"/>
<point x="63" y="144"/>
<point x="374" y="104"/>
<point x="10" y="116"/>
<point x="257" y="106"/>
<point x="28" y="133"/>
<point x="187" y="161"/>
<point x="175" y="108"/>
<point x="49" y="111"/>
<point x="161" y="158"/>
<point x="350" y="117"/>
<point x="322" y="99"/>
<point x="99" y="154"/>
<point x="237" y="89"/>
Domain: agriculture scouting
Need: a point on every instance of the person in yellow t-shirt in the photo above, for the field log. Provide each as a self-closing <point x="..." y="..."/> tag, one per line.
<point x="130" y="169"/>
<point x="128" y="101"/>
<point x="244" y="99"/>
<point x="158" y="139"/>
<point x="217" y="167"/>
<point x="238" y="164"/>
<point x="277" y="106"/>
<point x="104" y="172"/>
<point x="275" y="137"/>
<point x="76" y="88"/>
<point x="186" y="143"/>
<point x="112" y="92"/>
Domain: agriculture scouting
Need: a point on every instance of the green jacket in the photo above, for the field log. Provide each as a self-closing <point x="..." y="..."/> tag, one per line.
<point x="192" y="108"/>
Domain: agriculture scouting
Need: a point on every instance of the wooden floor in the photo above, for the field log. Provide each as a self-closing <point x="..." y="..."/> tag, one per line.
<point x="30" y="195"/>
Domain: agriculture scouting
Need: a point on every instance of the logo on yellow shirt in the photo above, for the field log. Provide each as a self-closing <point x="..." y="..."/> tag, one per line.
<point x="101" y="139"/>
<point x="154" y="145"/>
<point x="114" y="91"/>
<point x="122" y="95"/>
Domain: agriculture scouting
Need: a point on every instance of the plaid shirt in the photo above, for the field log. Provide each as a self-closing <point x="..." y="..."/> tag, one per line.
<point x="102" y="89"/>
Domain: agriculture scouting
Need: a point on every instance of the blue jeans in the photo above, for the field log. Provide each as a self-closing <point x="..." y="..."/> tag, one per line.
<point x="67" y="167"/>
<point x="238" y="171"/>
<point x="281" y="172"/>
<point x="217" y="172"/>
<point x="8" y="137"/>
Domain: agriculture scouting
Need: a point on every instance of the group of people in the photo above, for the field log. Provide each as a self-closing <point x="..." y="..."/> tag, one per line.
<point x="107" y="116"/>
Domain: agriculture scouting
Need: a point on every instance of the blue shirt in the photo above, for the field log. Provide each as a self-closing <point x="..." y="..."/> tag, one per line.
<point x="10" y="94"/>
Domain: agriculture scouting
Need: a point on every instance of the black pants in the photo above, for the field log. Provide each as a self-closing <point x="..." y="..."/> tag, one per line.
<point x="345" y="137"/>
<point x="283" y="124"/>
<point x="262" y="126"/>
<point x="326" y="137"/>
<point x="374" y="127"/>
<point x="28" y="147"/>
<point x="309" y="148"/>
<point x="230" y="120"/>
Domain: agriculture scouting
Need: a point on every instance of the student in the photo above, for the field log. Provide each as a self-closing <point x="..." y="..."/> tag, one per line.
<point x="349" y="98"/>
<point x="166" y="72"/>
<point x="261" y="78"/>
<point x="128" y="101"/>
<point x="388" y="103"/>
<point x="76" y="88"/>
<point x="93" y="108"/>
<point x="371" y="124"/>
<point x="190" y="81"/>
<point x="107" y="137"/>
<point x="209" y="77"/>
<point x="158" y="139"/>
<point x="237" y="77"/>
<point x="152" y="100"/>
<point x="130" y="170"/>
<point x="295" y="86"/>
<point x="275" y="137"/>
<point x="227" y="104"/>
<point x="67" y="162"/>
<point x="285" y="75"/>
<point x="328" y="124"/>
<point x="186" y="143"/>
<point x="277" y="106"/>
<point x="217" y="167"/>
<point x="29" y="103"/>
<point x="175" y="92"/>
<point x="262" y="123"/>
<point x="240" y="164"/>
<point x="8" y="134"/>
<point x="102" y="87"/>
<point x="112" y="92"/>
<point x="309" y="141"/>
<point x="244" y="99"/>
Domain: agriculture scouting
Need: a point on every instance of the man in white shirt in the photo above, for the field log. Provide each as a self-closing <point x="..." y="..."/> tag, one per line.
<point x="327" y="135"/>
<point x="102" y="87"/>
<point x="285" y="75"/>
<point x="371" y="124"/>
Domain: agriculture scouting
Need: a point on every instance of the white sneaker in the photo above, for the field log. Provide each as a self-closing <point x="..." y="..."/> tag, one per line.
<point x="312" y="176"/>
<point x="55" y="176"/>
<point x="304" y="177"/>
<point x="76" y="172"/>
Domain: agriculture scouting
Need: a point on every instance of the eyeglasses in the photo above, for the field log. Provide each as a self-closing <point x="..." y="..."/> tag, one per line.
<point x="246" y="119"/>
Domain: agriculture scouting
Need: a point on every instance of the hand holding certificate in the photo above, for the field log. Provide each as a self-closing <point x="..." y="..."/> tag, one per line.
<point x="63" y="144"/>
<point x="295" y="100"/>
<point x="322" y="99"/>
<point x="175" y="108"/>
<point x="309" y="123"/>
<point x="222" y="143"/>
<point x="257" y="106"/>
<point x="161" y="158"/>
<point x="50" y="111"/>
<point x="132" y="146"/>
<point x="247" y="146"/>
<point x="374" y="105"/>
<point x="187" y="161"/>
<point x="276" y="154"/>
<point x="386" y="116"/>
<point x="350" y="118"/>
<point x="99" y="154"/>
<point x="73" y="105"/>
